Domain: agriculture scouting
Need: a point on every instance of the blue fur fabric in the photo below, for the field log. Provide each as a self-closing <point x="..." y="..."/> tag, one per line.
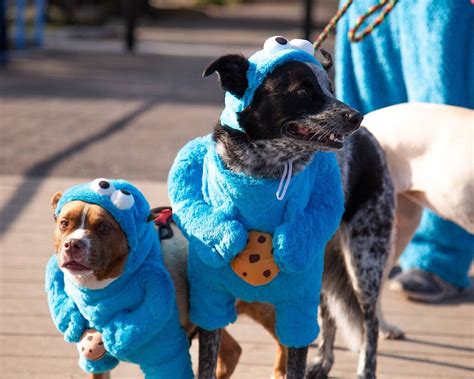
<point x="423" y="51"/>
<point x="216" y="207"/>
<point x="136" y="313"/>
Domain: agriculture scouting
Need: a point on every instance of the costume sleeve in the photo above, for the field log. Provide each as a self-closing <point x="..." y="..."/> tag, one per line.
<point x="305" y="232"/>
<point x="201" y="223"/>
<point x="64" y="312"/>
<point x="131" y="329"/>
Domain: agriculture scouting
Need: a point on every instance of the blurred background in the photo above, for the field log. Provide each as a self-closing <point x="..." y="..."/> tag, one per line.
<point x="113" y="88"/>
<point x="96" y="102"/>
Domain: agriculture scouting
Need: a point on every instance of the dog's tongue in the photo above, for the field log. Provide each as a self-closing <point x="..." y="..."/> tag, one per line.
<point x="302" y="130"/>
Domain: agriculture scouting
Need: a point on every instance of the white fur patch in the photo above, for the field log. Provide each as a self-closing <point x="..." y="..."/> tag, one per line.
<point x="85" y="279"/>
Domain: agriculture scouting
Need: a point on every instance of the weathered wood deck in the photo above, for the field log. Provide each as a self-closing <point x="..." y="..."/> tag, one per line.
<point x="440" y="340"/>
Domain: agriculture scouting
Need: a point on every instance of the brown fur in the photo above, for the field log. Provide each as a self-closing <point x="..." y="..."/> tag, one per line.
<point x="108" y="251"/>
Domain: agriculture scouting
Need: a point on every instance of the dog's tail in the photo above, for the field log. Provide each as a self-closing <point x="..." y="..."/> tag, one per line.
<point x="339" y="292"/>
<point x="348" y="317"/>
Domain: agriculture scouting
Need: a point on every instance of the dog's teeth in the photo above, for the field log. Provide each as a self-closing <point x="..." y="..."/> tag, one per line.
<point x="331" y="137"/>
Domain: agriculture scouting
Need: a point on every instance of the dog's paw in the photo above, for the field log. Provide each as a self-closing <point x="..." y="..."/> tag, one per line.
<point x="391" y="332"/>
<point x="91" y="345"/>
<point x="255" y="264"/>
<point x="316" y="371"/>
<point x="278" y="375"/>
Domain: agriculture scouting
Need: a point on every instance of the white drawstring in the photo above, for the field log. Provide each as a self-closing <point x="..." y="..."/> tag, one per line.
<point x="286" y="177"/>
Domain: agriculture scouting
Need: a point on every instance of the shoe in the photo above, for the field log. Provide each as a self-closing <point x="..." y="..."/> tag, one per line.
<point x="419" y="285"/>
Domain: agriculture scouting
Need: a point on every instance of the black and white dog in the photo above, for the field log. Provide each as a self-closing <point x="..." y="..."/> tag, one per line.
<point x="292" y="116"/>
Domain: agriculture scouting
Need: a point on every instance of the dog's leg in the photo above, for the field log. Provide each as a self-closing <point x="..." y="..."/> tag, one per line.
<point x="408" y="216"/>
<point x="368" y="351"/>
<point x="387" y="330"/>
<point x="264" y="314"/>
<point x="325" y="357"/>
<point x="208" y="350"/>
<point x="102" y="375"/>
<point x="229" y="354"/>
<point x="296" y="362"/>
<point x="369" y="246"/>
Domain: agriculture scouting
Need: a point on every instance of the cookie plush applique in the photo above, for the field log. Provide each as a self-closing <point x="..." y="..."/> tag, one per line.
<point x="255" y="264"/>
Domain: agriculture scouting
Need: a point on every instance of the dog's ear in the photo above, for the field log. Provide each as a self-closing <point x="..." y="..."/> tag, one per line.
<point x="54" y="202"/>
<point x="327" y="62"/>
<point x="232" y="71"/>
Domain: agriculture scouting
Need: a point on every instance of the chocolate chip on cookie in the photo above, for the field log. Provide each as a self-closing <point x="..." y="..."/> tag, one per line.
<point x="255" y="264"/>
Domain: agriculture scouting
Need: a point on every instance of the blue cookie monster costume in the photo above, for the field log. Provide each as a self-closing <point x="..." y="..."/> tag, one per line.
<point x="136" y="313"/>
<point x="215" y="208"/>
<point x="423" y="51"/>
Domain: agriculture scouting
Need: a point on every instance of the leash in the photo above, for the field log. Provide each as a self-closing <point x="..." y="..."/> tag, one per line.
<point x="387" y="6"/>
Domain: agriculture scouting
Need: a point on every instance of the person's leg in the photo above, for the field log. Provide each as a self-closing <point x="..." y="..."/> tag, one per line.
<point x="439" y="250"/>
<point x="436" y="69"/>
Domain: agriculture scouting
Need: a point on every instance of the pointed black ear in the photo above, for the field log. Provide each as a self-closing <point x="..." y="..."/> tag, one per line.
<point x="327" y="62"/>
<point x="232" y="71"/>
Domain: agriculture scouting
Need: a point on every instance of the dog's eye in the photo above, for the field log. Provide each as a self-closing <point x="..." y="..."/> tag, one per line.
<point x="276" y="44"/>
<point x="63" y="224"/>
<point x="122" y="199"/>
<point x="104" y="228"/>
<point x="303" y="92"/>
<point x="102" y="186"/>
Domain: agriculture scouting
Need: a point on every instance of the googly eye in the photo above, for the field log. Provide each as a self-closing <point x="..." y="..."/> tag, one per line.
<point x="302" y="44"/>
<point x="275" y="44"/>
<point x="122" y="199"/>
<point x="102" y="186"/>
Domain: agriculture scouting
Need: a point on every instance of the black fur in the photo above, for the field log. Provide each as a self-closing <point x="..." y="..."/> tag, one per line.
<point x="232" y="70"/>
<point x="292" y="116"/>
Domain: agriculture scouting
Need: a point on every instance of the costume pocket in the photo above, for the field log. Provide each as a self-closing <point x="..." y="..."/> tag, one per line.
<point x="255" y="264"/>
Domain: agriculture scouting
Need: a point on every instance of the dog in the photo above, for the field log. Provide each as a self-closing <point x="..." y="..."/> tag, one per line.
<point x="108" y="289"/>
<point x="423" y="141"/>
<point x="294" y="114"/>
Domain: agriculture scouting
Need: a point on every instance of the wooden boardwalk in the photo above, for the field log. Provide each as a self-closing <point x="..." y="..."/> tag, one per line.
<point x="440" y="340"/>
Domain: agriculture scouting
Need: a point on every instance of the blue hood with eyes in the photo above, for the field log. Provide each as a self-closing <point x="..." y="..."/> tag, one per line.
<point x="128" y="207"/>
<point x="276" y="51"/>
<point x="136" y="313"/>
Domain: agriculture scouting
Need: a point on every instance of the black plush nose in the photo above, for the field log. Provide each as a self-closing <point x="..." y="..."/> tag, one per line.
<point x="74" y="246"/>
<point x="353" y="117"/>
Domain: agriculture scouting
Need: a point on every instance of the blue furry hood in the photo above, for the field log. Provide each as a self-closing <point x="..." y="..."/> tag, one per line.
<point x="276" y="51"/>
<point x="128" y="207"/>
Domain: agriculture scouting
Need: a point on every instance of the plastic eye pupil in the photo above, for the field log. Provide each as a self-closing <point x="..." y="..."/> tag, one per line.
<point x="125" y="192"/>
<point x="281" y="40"/>
<point x="103" y="184"/>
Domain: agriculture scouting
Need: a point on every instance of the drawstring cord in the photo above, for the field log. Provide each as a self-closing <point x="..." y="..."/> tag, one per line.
<point x="285" y="178"/>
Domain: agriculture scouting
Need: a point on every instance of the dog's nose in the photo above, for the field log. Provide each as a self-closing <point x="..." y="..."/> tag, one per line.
<point x="74" y="246"/>
<point x="353" y="117"/>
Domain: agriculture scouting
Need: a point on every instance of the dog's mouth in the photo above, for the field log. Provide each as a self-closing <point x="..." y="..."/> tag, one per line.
<point x="333" y="140"/>
<point x="74" y="266"/>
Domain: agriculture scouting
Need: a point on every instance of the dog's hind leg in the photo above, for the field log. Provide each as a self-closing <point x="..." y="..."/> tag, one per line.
<point x="229" y="354"/>
<point x="264" y="314"/>
<point x="209" y="341"/>
<point x="387" y="330"/>
<point x="369" y="247"/>
<point x="324" y="360"/>
<point x="296" y="362"/>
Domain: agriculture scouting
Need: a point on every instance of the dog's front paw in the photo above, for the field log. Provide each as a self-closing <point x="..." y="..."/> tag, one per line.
<point x="316" y="371"/>
<point x="91" y="345"/>
<point x="391" y="332"/>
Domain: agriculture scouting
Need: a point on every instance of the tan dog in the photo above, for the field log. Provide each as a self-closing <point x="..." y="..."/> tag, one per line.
<point x="429" y="149"/>
<point x="91" y="249"/>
